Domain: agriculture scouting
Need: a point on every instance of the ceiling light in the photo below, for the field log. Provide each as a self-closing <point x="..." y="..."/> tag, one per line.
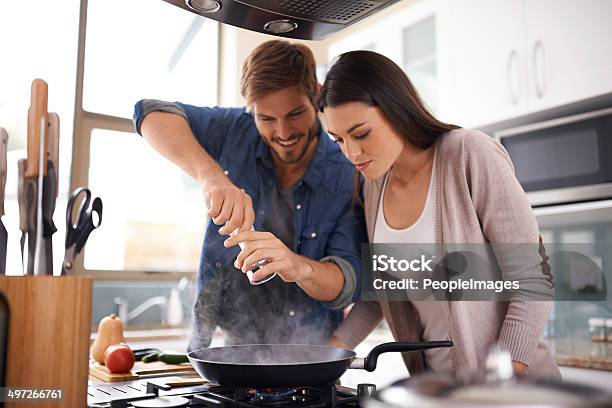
<point x="280" y="26"/>
<point x="204" y="6"/>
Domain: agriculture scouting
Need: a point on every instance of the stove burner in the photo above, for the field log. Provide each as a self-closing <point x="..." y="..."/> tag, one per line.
<point x="161" y="402"/>
<point x="145" y="394"/>
<point x="271" y="395"/>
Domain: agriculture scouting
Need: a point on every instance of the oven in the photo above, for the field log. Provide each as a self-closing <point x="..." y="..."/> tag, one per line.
<point x="564" y="160"/>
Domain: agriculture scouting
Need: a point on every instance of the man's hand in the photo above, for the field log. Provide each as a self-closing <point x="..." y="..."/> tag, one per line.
<point x="264" y="245"/>
<point x="229" y="205"/>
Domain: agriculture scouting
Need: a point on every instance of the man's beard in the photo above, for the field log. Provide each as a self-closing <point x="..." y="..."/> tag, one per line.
<point x="312" y="134"/>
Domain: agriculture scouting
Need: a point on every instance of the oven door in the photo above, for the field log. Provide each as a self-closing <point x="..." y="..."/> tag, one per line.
<point x="563" y="160"/>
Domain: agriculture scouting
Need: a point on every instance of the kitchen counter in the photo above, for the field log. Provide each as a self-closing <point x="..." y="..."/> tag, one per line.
<point x="582" y="353"/>
<point x="576" y="353"/>
<point x="169" y="340"/>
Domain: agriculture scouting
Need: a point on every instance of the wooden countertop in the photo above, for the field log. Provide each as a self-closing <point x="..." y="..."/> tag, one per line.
<point x="582" y="353"/>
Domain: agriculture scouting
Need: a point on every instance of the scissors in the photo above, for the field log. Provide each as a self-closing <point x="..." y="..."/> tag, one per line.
<point x="87" y="219"/>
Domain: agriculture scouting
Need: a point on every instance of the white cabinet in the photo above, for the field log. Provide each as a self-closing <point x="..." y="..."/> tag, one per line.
<point x="407" y="34"/>
<point x="510" y="57"/>
<point x="483" y="42"/>
<point x="569" y="49"/>
<point x="477" y="62"/>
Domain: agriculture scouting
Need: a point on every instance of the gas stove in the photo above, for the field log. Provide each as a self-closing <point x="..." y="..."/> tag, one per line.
<point x="155" y="393"/>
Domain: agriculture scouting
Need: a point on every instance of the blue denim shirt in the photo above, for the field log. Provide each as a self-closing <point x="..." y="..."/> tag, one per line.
<point x="328" y="226"/>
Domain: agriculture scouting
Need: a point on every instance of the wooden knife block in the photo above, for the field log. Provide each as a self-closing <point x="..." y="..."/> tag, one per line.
<point x="49" y="327"/>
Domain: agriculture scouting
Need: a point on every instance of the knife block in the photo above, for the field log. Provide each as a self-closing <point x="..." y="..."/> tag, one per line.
<point x="48" y="336"/>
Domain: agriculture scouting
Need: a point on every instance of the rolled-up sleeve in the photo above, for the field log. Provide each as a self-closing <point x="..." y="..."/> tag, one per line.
<point x="146" y="106"/>
<point x="344" y="249"/>
<point x="210" y="125"/>
<point x="345" y="297"/>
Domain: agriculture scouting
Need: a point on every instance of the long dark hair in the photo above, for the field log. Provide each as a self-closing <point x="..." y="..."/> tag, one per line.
<point x="373" y="79"/>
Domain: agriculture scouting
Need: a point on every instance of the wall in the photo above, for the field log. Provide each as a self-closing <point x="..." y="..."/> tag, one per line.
<point x="237" y="43"/>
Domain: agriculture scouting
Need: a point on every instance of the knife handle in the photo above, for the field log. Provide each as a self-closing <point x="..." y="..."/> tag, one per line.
<point x="3" y="151"/>
<point x="37" y="113"/>
<point x="21" y="195"/>
<point x="53" y="145"/>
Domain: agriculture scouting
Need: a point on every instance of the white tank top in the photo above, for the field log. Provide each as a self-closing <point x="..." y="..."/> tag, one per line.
<point x="423" y="231"/>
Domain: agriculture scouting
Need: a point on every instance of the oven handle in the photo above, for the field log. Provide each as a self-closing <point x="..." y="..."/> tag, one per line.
<point x="585" y="213"/>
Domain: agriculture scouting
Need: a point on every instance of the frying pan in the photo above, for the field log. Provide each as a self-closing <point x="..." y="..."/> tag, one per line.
<point x="289" y="365"/>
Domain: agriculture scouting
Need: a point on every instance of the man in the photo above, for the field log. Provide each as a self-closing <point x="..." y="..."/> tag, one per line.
<point x="273" y="168"/>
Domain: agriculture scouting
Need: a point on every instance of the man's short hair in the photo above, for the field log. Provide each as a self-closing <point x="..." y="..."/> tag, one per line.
<point x="275" y="65"/>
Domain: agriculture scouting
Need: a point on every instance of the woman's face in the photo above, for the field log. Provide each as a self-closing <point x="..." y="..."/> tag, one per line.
<point x="365" y="136"/>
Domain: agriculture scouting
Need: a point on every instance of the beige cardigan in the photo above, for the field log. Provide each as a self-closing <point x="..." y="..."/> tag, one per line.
<point x="478" y="200"/>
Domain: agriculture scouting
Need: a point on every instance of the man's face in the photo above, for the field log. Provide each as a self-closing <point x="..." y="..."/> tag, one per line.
<point x="286" y="120"/>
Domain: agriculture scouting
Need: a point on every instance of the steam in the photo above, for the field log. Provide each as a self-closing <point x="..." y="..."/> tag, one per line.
<point x="275" y="312"/>
<point x="272" y="354"/>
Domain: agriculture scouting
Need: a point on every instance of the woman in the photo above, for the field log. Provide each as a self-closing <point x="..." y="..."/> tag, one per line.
<point x="431" y="182"/>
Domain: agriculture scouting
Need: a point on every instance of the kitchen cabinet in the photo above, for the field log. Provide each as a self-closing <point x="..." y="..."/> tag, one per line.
<point x="569" y="50"/>
<point x="477" y="62"/>
<point x="508" y="58"/>
<point x="484" y="42"/>
<point x="407" y="34"/>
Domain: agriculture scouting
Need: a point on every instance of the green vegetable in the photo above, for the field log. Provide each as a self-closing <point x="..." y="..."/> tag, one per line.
<point x="173" y="358"/>
<point x="140" y="353"/>
<point x="150" y="357"/>
<point x="145" y="350"/>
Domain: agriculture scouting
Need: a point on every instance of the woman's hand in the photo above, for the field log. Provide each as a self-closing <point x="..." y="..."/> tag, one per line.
<point x="519" y="368"/>
<point x="264" y="245"/>
<point x="337" y="342"/>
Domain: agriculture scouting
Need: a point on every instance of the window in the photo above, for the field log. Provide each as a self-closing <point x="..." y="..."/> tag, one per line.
<point x="147" y="49"/>
<point x="35" y="45"/>
<point x="154" y="215"/>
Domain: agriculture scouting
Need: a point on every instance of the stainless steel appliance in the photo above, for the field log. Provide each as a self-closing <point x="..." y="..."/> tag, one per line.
<point x="564" y="160"/>
<point x="303" y="19"/>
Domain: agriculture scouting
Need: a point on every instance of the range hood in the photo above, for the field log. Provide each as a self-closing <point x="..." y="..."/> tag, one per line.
<point x="301" y="19"/>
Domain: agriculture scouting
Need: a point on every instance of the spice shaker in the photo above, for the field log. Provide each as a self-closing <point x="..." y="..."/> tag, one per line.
<point x="260" y="264"/>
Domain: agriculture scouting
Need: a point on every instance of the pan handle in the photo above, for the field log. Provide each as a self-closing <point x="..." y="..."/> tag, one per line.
<point x="369" y="363"/>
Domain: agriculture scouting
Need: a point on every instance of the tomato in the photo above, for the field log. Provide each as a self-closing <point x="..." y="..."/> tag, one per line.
<point x="119" y="358"/>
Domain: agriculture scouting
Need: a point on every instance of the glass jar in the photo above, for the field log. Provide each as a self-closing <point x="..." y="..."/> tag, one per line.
<point x="609" y="330"/>
<point x="597" y="328"/>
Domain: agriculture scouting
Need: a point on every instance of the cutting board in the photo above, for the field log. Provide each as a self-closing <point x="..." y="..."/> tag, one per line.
<point x="140" y="370"/>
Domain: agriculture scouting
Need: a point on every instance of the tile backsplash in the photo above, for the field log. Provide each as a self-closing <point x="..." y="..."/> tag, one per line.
<point x="570" y="318"/>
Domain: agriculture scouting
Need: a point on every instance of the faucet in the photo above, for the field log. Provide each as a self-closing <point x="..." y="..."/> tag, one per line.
<point x="171" y="306"/>
<point x="126" y="316"/>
